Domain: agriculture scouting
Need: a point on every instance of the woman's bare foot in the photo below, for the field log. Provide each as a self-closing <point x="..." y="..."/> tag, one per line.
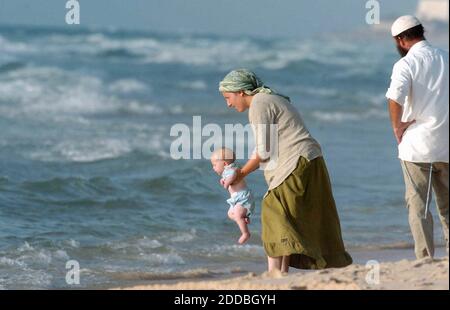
<point x="244" y="237"/>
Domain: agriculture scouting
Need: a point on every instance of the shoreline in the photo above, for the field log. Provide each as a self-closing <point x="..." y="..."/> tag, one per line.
<point x="398" y="270"/>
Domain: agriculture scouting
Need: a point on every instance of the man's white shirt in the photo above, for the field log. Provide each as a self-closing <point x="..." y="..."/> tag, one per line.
<point x="420" y="83"/>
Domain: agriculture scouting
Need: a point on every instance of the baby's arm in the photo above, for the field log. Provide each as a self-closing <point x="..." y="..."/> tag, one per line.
<point x="229" y="180"/>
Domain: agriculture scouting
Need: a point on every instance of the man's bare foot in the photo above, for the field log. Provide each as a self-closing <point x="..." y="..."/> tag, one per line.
<point x="244" y="238"/>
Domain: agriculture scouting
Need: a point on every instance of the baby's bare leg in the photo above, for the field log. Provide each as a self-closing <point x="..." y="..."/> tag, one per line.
<point x="239" y="215"/>
<point x="230" y="213"/>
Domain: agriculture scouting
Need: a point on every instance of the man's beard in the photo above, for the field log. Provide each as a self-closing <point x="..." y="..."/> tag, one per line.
<point x="401" y="51"/>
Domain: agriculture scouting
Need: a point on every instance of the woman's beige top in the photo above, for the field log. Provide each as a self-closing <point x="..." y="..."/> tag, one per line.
<point x="289" y="140"/>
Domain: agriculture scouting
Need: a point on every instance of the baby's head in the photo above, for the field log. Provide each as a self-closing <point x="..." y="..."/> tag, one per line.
<point x="220" y="158"/>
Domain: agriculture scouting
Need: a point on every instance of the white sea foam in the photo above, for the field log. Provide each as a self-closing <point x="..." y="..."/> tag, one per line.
<point x="92" y="150"/>
<point x="30" y="266"/>
<point x="72" y="243"/>
<point x="6" y="261"/>
<point x="163" y="259"/>
<point x="103" y="146"/>
<point x="25" y="247"/>
<point x="247" y="250"/>
<point x="29" y="89"/>
<point x="88" y="150"/>
<point x="199" y="51"/>
<point x="177" y="109"/>
<point x="185" y="236"/>
<point x="147" y="243"/>
<point x="138" y="247"/>
<point x="69" y="95"/>
<point x="195" y="85"/>
<point x="61" y="254"/>
<point x="126" y="86"/>
<point x="31" y="279"/>
<point x="138" y="107"/>
<point x="342" y="116"/>
<point x="8" y="46"/>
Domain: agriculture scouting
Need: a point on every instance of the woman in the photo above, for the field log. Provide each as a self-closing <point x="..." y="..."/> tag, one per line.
<point x="300" y="224"/>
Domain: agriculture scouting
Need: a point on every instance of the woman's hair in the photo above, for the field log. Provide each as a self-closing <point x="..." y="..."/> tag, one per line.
<point x="246" y="81"/>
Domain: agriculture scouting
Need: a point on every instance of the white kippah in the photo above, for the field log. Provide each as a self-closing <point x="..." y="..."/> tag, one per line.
<point x="404" y="23"/>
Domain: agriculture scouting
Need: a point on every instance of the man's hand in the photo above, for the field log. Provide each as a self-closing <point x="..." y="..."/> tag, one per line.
<point x="400" y="130"/>
<point x="399" y="127"/>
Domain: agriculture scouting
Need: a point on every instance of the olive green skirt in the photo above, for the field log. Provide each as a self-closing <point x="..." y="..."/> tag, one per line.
<point x="299" y="219"/>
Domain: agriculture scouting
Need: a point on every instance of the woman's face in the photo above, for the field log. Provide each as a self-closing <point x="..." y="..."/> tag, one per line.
<point x="236" y="100"/>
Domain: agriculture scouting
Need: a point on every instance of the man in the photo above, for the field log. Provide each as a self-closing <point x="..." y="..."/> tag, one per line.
<point x="418" y="106"/>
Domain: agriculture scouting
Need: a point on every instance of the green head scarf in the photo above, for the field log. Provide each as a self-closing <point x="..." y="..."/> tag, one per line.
<point x="246" y="81"/>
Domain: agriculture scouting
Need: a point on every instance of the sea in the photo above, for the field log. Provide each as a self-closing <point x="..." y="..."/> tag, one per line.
<point x="91" y="195"/>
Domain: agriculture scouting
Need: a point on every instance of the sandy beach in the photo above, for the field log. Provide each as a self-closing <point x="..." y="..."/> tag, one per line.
<point x="394" y="274"/>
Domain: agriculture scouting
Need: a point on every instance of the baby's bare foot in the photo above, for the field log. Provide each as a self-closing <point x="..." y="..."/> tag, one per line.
<point x="244" y="238"/>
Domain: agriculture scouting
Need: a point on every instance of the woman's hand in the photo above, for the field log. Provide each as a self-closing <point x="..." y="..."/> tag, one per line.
<point x="227" y="182"/>
<point x="251" y="165"/>
<point x="237" y="177"/>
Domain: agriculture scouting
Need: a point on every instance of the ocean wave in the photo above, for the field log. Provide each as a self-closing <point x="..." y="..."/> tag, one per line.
<point x="28" y="266"/>
<point x="93" y="150"/>
<point x="313" y="91"/>
<point x="139" y="108"/>
<point x="126" y="86"/>
<point x="158" y="259"/>
<point x="72" y="243"/>
<point x="96" y="149"/>
<point x="26" y="256"/>
<point x="186" y="182"/>
<point x="87" y="151"/>
<point x="117" y="52"/>
<point x="185" y="236"/>
<point x="53" y="93"/>
<point x="194" y="85"/>
<point x="27" y="279"/>
<point x="29" y="89"/>
<point x="11" y="66"/>
<point x="199" y="50"/>
<point x="71" y="186"/>
<point x="8" y="46"/>
<point x="343" y="116"/>
<point x="5" y="261"/>
<point x="335" y="98"/>
<point x="247" y="250"/>
<point x="139" y="246"/>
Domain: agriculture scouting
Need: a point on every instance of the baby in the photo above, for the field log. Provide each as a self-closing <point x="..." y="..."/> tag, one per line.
<point x="241" y="199"/>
